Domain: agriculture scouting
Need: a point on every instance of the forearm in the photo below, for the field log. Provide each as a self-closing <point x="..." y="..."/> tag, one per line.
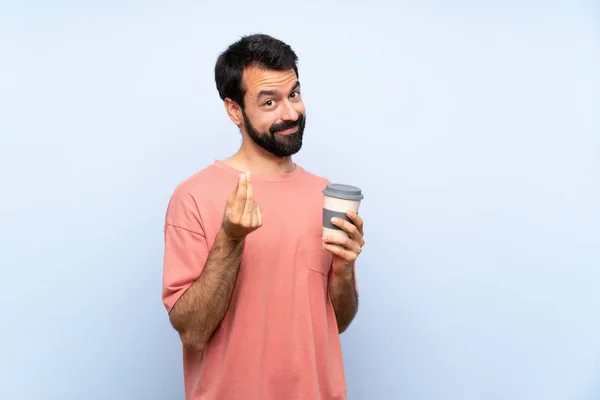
<point x="344" y="299"/>
<point x="200" y="310"/>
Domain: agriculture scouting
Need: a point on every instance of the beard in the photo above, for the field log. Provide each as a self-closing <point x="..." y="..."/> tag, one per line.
<point x="278" y="145"/>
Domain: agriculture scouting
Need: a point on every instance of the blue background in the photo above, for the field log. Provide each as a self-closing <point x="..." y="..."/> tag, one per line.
<point x="472" y="127"/>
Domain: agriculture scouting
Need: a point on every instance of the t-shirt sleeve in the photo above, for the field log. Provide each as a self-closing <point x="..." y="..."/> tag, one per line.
<point x="186" y="248"/>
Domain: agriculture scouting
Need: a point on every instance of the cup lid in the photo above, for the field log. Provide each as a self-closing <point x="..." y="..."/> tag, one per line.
<point x="342" y="191"/>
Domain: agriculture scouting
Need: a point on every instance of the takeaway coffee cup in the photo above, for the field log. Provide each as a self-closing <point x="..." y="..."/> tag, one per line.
<point x="339" y="198"/>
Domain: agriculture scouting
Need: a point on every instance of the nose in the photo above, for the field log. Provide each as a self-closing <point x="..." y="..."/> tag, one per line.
<point x="288" y="113"/>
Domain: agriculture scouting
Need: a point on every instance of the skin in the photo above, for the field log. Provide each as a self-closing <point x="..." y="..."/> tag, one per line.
<point x="200" y="310"/>
<point x="271" y="97"/>
<point x="345" y="251"/>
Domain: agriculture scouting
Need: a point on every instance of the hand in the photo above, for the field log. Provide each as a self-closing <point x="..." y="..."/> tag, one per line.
<point x="345" y="250"/>
<point x="242" y="213"/>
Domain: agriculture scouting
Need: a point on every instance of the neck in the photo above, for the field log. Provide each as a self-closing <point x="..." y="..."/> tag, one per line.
<point x="256" y="160"/>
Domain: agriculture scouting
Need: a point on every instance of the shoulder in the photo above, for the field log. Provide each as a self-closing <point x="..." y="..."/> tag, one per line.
<point x="189" y="196"/>
<point x="209" y="176"/>
<point x="205" y="183"/>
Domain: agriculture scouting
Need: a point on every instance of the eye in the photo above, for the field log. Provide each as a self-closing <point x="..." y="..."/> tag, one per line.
<point x="295" y="94"/>
<point x="268" y="103"/>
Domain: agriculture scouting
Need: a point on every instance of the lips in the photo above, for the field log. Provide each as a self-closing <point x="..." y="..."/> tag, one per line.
<point x="288" y="131"/>
<point x="288" y="127"/>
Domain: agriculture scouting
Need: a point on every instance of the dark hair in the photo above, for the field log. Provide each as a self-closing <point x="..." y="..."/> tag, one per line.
<point x="257" y="50"/>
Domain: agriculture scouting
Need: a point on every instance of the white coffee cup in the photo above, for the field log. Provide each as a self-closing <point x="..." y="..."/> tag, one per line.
<point x="339" y="198"/>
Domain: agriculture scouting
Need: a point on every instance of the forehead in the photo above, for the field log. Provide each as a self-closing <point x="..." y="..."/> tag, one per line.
<point x="255" y="79"/>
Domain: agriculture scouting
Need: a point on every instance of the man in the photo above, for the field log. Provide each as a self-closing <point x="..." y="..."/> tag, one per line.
<point x="257" y="295"/>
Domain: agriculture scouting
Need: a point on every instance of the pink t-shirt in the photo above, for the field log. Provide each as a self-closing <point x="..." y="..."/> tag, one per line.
<point x="279" y="338"/>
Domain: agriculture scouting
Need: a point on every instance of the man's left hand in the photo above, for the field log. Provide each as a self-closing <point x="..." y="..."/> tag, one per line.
<point x="345" y="250"/>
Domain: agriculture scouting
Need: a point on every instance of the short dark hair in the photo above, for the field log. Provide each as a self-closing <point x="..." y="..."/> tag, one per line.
<point x="258" y="50"/>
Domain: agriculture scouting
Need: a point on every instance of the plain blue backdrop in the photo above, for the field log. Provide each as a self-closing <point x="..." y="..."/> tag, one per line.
<point x="472" y="127"/>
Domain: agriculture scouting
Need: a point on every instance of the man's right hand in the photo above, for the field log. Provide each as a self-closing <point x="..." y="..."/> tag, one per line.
<point x="242" y="213"/>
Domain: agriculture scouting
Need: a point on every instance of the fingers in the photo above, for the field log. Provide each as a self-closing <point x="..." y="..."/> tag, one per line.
<point x="358" y="221"/>
<point x="346" y="248"/>
<point x="239" y="202"/>
<point x="246" y="207"/>
<point x="258" y="215"/>
<point x="351" y="229"/>
<point x="347" y="255"/>
<point x="249" y="205"/>
<point x="242" y="214"/>
<point x="344" y="242"/>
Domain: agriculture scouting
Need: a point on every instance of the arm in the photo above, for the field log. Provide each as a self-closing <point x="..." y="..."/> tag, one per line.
<point x="344" y="298"/>
<point x="201" y="309"/>
<point x="342" y="282"/>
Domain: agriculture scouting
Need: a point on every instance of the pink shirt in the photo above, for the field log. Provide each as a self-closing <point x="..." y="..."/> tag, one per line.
<point x="279" y="338"/>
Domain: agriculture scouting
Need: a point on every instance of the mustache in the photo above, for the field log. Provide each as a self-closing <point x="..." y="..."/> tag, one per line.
<point x="282" y="126"/>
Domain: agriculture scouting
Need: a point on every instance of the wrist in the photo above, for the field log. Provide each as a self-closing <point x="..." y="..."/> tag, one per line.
<point x="345" y="274"/>
<point x="228" y="238"/>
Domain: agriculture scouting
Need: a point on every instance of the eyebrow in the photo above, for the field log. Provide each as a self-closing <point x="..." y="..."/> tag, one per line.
<point x="268" y="92"/>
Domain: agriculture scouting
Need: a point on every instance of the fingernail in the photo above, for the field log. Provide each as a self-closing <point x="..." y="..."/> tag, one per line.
<point x="334" y="220"/>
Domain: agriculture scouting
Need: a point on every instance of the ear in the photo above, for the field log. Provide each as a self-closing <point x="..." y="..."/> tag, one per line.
<point x="234" y="111"/>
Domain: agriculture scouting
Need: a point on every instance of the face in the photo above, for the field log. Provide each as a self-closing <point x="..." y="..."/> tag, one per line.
<point x="273" y="115"/>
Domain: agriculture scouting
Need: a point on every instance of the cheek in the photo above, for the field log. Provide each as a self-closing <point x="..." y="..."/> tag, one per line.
<point x="259" y="121"/>
<point x="263" y="124"/>
<point x="299" y="107"/>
